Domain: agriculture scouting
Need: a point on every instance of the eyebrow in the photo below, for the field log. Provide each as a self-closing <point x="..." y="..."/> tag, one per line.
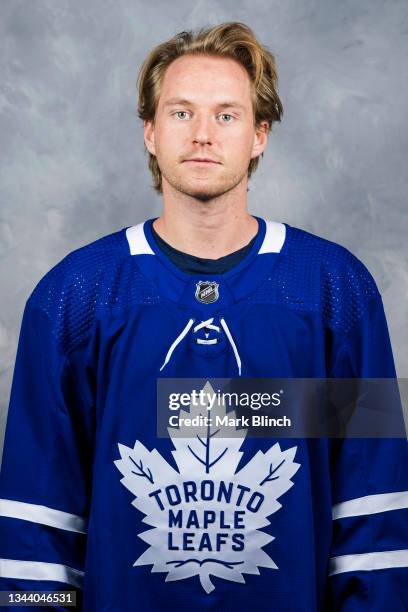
<point x="226" y="104"/>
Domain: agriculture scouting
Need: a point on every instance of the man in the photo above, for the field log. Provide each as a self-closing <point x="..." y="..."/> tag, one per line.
<point x="92" y="498"/>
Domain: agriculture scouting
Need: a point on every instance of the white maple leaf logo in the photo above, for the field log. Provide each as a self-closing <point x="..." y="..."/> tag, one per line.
<point x="207" y="517"/>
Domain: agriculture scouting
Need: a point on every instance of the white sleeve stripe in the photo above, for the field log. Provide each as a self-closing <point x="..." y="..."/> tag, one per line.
<point x="42" y="514"/>
<point x="371" y="504"/>
<point x="40" y="570"/>
<point x="368" y="561"/>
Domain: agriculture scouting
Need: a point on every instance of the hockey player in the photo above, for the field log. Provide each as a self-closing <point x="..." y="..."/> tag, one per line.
<point x="92" y="499"/>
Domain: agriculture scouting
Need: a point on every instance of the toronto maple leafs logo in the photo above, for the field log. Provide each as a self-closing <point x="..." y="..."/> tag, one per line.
<point x="206" y="518"/>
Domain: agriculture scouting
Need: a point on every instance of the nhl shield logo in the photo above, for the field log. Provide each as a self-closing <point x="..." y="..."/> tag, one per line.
<point x="207" y="292"/>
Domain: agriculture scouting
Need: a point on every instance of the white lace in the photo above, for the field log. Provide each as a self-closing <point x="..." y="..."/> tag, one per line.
<point x="207" y="324"/>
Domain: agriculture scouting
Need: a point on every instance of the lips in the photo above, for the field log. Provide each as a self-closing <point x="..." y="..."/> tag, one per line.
<point x="202" y="160"/>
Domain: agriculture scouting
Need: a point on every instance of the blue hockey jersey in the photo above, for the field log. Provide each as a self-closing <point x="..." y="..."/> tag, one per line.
<point x="92" y="500"/>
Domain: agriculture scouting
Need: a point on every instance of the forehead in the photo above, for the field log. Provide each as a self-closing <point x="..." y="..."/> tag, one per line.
<point x="201" y="78"/>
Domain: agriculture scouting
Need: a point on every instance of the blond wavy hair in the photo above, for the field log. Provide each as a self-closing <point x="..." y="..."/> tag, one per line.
<point x="231" y="39"/>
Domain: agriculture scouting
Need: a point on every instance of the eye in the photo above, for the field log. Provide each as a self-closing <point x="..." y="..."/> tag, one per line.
<point x="227" y="115"/>
<point x="181" y="113"/>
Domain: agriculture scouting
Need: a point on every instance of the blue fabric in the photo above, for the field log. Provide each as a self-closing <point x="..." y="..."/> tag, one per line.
<point x="94" y="335"/>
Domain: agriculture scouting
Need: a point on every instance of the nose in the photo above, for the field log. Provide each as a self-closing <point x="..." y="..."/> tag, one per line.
<point x="202" y="130"/>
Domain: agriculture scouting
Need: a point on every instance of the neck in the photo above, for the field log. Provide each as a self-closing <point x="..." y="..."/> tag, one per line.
<point x="209" y="229"/>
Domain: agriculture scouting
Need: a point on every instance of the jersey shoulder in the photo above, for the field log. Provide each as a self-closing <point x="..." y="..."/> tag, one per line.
<point x="320" y="275"/>
<point x="96" y="278"/>
<point x="327" y="258"/>
<point x="341" y="281"/>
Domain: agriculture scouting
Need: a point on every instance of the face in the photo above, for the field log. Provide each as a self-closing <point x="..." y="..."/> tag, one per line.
<point x="204" y="111"/>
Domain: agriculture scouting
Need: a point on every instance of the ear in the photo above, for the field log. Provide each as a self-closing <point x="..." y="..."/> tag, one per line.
<point x="148" y="129"/>
<point x="260" y="139"/>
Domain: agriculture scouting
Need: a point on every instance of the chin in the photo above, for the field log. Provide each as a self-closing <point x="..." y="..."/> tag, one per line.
<point x="200" y="190"/>
<point x="203" y="194"/>
<point x="203" y="190"/>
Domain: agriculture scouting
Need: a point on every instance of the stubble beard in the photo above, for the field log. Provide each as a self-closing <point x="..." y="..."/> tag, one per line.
<point x="205" y="193"/>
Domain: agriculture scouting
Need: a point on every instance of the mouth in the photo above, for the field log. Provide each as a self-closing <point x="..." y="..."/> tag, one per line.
<point x="201" y="162"/>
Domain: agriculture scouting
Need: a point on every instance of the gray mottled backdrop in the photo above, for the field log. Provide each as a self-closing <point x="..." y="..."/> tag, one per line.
<point x="72" y="160"/>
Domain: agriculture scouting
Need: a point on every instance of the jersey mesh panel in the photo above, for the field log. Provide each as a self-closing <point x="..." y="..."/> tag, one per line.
<point x="87" y="282"/>
<point x="341" y="291"/>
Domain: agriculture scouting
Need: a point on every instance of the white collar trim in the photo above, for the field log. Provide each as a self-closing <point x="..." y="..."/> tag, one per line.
<point x="137" y="240"/>
<point x="272" y="243"/>
<point x="274" y="237"/>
